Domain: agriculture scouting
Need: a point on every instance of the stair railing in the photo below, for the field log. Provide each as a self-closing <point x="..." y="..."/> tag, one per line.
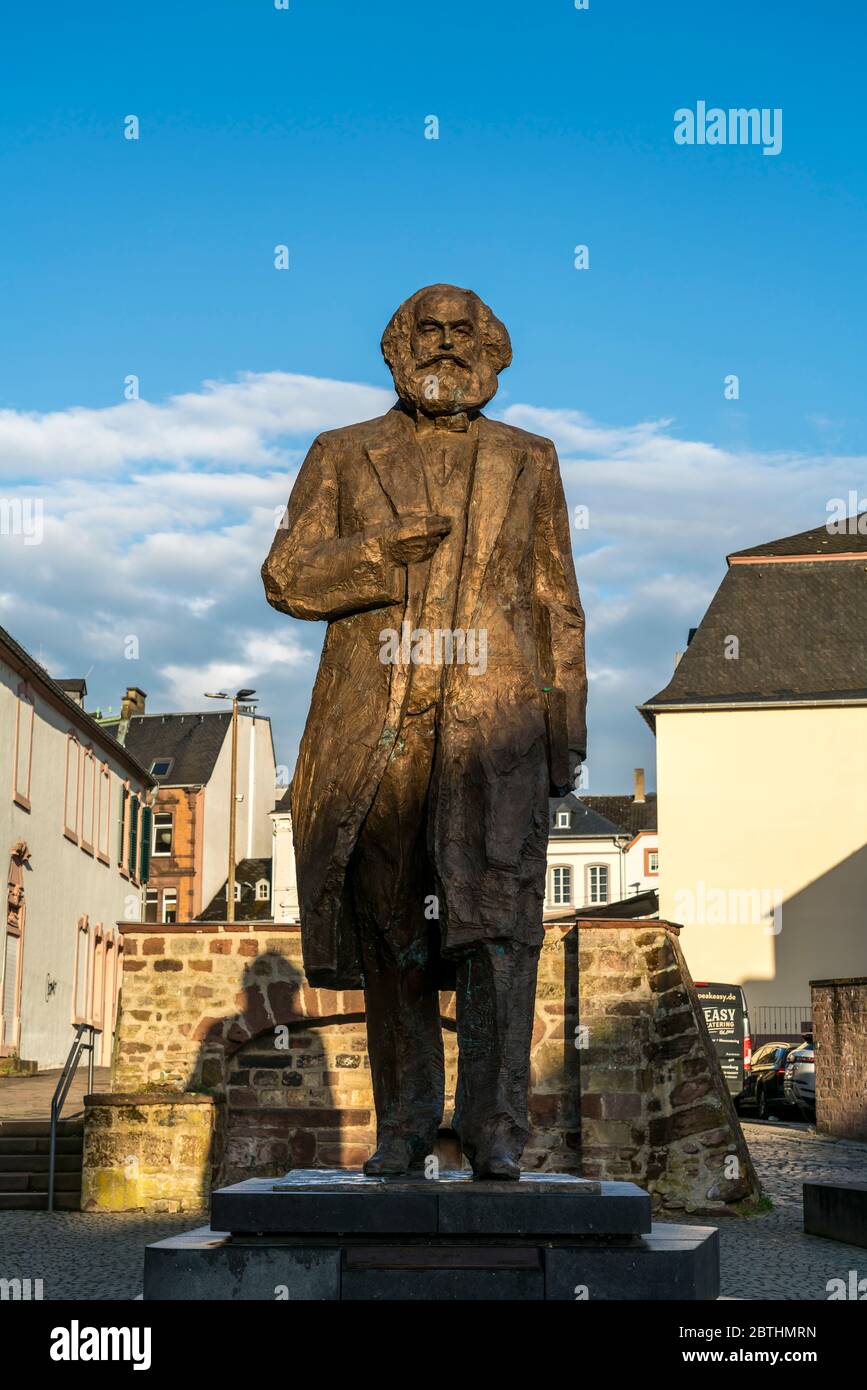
<point x="61" y="1091"/>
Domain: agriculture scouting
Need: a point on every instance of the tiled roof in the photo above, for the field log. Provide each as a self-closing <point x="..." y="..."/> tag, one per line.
<point x="799" y="625"/>
<point x="628" y="815"/>
<point x="584" y="820"/>
<point x="192" y="742"/>
<point x="820" y="541"/>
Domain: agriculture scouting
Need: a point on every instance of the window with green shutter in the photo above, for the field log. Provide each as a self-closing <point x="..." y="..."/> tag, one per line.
<point x="132" y="860"/>
<point x="147" y="820"/>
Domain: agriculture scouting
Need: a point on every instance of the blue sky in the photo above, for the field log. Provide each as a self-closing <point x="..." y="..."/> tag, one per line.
<point x="306" y="127"/>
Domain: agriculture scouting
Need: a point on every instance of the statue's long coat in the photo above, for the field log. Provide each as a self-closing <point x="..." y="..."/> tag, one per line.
<point x="488" y="820"/>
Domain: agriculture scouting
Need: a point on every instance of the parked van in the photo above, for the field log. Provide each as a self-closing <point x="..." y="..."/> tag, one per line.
<point x="725" y="1008"/>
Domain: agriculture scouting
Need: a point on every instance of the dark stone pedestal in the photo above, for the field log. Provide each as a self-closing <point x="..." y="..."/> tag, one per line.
<point x="837" y="1211"/>
<point x="334" y="1235"/>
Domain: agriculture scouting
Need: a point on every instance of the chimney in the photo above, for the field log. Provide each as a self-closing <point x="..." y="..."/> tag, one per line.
<point x="638" y="797"/>
<point x="133" y="702"/>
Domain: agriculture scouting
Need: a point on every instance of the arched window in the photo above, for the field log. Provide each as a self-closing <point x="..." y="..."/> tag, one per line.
<point x="263" y="890"/>
<point x="561" y="885"/>
<point x="597" y="884"/>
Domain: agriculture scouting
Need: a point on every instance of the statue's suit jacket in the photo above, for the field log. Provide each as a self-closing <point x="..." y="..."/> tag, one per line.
<point x="488" y="816"/>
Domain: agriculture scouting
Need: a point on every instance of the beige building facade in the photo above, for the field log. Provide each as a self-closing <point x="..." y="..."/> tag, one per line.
<point x="762" y="776"/>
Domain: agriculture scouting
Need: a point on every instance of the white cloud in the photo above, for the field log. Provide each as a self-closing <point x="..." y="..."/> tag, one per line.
<point x="157" y="518"/>
<point x="224" y="423"/>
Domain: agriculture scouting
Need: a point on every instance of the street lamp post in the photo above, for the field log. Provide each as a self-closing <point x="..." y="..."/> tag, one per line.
<point x="240" y="695"/>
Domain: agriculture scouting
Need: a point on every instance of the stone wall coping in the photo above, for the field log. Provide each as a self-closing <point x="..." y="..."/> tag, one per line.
<point x="141" y="1098"/>
<point x="850" y="980"/>
<point x="635" y="923"/>
<point x="196" y="928"/>
<point x="275" y="928"/>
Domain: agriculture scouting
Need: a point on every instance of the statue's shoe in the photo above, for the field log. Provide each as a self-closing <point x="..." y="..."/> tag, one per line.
<point x="393" y="1158"/>
<point x="498" y="1162"/>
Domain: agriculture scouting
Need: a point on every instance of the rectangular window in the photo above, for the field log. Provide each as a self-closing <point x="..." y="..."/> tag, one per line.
<point x="152" y="905"/>
<point x="597" y="883"/>
<point x="72" y="791"/>
<point x="170" y="904"/>
<point x="122" y="820"/>
<point x="88" y="800"/>
<point x="163" y="832"/>
<point x="651" y="861"/>
<point x="561" y="882"/>
<point x="564" y="820"/>
<point x="81" y="978"/>
<point x="97" y="991"/>
<point x="23" y="748"/>
<point x="103" y="813"/>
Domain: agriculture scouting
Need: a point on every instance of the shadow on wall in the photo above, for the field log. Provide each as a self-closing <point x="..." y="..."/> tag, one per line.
<point x="291" y="1067"/>
<point x="822" y="933"/>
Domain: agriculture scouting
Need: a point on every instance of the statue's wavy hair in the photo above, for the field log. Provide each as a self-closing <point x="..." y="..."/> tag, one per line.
<point x="494" y="334"/>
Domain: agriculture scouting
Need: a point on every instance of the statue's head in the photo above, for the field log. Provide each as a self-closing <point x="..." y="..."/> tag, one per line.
<point x="445" y="349"/>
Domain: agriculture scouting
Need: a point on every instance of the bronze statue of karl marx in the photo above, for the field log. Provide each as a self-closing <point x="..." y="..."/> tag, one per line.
<point x="450" y="698"/>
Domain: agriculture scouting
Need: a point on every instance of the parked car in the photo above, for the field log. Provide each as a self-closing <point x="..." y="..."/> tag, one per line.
<point x="799" y="1081"/>
<point x="763" y="1083"/>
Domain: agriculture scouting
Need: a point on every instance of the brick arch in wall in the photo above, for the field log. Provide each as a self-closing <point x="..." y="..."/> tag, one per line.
<point x="296" y="1079"/>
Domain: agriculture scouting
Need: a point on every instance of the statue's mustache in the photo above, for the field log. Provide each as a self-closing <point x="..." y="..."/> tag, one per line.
<point x="444" y="357"/>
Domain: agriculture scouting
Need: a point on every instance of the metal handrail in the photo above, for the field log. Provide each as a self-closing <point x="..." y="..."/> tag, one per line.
<point x="61" y="1091"/>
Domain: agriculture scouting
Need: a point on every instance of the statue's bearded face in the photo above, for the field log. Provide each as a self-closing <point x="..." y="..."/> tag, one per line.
<point x="441" y="364"/>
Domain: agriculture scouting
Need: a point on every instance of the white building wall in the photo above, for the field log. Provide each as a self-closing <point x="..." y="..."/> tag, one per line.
<point x="255" y="785"/>
<point x="284" y="881"/>
<point x="625" y="870"/>
<point x="62" y="882"/>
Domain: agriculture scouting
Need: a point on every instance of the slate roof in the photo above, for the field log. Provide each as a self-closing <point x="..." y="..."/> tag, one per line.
<point x="628" y="815"/>
<point x="585" y="820"/>
<point x="249" y="909"/>
<point x="819" y="541"/>
<point x="285" y="801"/>
<point x="799" y="621"/>
<point x="193" y="742"/>
<point x="74" y="685"/>
<point x="20" y="657"/>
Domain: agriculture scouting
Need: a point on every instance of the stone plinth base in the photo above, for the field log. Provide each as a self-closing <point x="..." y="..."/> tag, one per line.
<point x="319" y="1235"/>
<point x="837" y="1211"/>
<point x="150" y="1152"/>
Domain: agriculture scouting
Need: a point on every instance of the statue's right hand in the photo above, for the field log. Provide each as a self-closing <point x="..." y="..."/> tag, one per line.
<point x="414" y="536"/>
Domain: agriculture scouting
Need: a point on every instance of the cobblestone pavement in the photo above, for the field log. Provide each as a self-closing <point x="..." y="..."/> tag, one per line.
<point x="82" y="1254"/>
<point x="93" y="1256"/>
<point x="769" y="1256"/>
